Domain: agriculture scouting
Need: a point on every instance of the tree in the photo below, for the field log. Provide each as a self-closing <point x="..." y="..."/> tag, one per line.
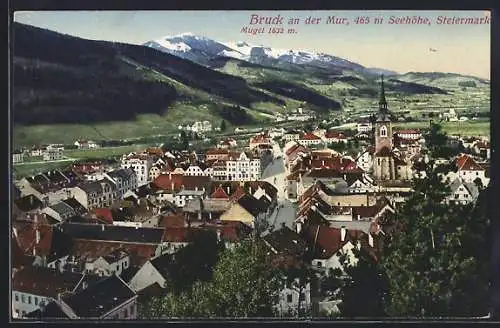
<point x="244" y="284"/>
<point x="436" y="141"/>
<point x="362" y="289"/>
<point x="437" y="264"/>
<point x="184" y="140"/>
<point x="223" y="126"/>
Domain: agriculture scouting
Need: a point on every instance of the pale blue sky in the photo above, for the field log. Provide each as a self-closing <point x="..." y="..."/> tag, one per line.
<point x="461" y="48"/>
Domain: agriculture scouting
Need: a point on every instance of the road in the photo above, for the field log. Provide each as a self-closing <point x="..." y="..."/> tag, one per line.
<point x="275" y="173"/>
<point x="46" y="162"/>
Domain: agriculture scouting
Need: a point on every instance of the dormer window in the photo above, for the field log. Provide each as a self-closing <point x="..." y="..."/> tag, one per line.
<point x="383" y="131"/>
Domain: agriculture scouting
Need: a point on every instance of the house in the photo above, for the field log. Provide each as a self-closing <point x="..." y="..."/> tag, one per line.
<point x="334" y="137"/>
<point x="309" y="139"/>
<point x="124" y="180"/>
<point x="291" y="135"/>
<point x="409" y="134"/>
<point x="328" y="245"/>
<point x="153" y="271"/>
<point x="199" y="169"/>
<point x="156" y="170"/>
<point x="107" y="299"/>
<point x="243" y="167"/>
<point x="17" y="156"/>
<point x="227" y="143"/>
<point x="34" y="287"/>
<point x="53" y="155"/>
<point x="364" y="126"/>
<point x="469" y="170"/>
<point x="260" y="139"/>
<point x="93" y="194"/>
<point x="86" y="144"/>
<point x="115" y="262"/>
<point x="201" y="126"/>
<point x="50" y="187"/>
<point x="217" y="154"/>
<point x="462" y="193"/>
<point x="482" y="148"/>
<point x="140" y="164"/>
<point x="184" y="196"/>
<point x="37" y="151"/>
<point x="60" y="211"/>
<point x="248" y="210"/>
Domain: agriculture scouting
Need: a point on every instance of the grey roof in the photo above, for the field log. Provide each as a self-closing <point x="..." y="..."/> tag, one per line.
<point x="62" y="208"/>
<point x="471" y="187"/>
<point x="91" y="187"/>
<point x="352" y="225"/>
<point x="100" y="298"/>
<point x="186" y="192"/>
<point x="113" y="233"/>
<point x="75" y="205"/>
<point x="121" y="173"/>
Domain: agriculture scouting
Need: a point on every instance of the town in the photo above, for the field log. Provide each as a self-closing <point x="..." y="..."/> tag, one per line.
<point x="111" y="239"/>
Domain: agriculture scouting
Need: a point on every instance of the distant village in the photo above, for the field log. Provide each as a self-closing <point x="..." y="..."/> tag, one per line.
<point x="94" y="239"/>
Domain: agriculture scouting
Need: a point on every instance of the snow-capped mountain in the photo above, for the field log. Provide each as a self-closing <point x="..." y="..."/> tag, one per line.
<point x="202" y="50"/>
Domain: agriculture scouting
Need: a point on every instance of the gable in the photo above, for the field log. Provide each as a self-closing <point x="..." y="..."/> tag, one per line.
<point x="237" y="213"/>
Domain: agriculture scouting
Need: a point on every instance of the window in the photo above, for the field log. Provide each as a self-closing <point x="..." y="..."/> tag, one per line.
<point x="125" y="313"/>
<point x="36" y="300"/>
<point x="456" y="196"/>
<point x="16" y="297"/>
<point x="17" y="312"/>
<point x="29" y="299"/>
<point x="319" y="264"/>
<point x="23" y="299"/>
<point x="383" y="131"/>
<point x="289" y="298"/>
<point x="477" y="173"/>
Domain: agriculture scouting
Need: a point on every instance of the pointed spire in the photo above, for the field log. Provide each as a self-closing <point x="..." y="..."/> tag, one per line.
<point x="382" y="104"/>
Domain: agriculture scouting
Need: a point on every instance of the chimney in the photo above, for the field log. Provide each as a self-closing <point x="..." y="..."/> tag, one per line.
<point x="322" y="163"/>
<point x="102" y="227"/>
<point x="298" y="227"/>
<point x="218" y="235"/>
<point x="370" y="240"/>
<point x="342" y="233"/>
<point x="250" y="190"/>
<point x="31" y="199"/>
<point x="228" y="190"/>
<point x="172" y="186"/>
<point x="37" y="236"/>
<point x="196" y="188"/>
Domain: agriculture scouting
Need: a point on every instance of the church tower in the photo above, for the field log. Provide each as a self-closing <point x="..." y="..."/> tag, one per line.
<point x="383" y="161"/>
<point x="383" y="128"/>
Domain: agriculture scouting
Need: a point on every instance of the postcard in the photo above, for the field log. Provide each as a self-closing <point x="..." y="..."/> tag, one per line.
<point x="294" y="165"/>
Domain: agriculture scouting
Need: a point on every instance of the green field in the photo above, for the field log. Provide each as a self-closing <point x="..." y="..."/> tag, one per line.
<point x="30" y="167"/>
<point x="467" y="128"/>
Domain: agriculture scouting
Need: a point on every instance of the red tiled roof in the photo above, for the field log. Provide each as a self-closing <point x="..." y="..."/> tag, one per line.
<point x="217" y="151"/>
<point x="175" y="235"/>
<point x="26" y="237"/>
<point x="43" y="281"/>
<point x="172" y="221"/>
<point x="309" y="136"/>
<point x="408" y="131"/>
<point x="260" y="138"/>
<point x="219" y="193"/>
<point x="334" y="135"/>
<point x="466" y="163"/>
<point x="238" y="193"/>
<point x="104" y="214"/>
<point x="164" y="181"/>
<point x="139" y="253"/>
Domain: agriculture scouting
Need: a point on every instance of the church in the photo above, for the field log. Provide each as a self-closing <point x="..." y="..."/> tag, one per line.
<point x="388" y="164"/>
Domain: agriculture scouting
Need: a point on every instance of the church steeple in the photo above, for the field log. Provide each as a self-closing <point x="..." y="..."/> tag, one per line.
<point x="382" y="103"/>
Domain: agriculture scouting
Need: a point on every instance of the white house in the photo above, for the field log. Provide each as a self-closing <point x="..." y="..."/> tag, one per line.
<point x="114" y="263"/>
<point x="291" y="136"/>
<point x="294" y="300"/>
<point x="52" y="155"/>
<point x="95" y="194"/>
<point x="462" y="193"/>
<point x="153" y="271"/>
<point x="469" y="170"/>
<point x="243" y="168"/>
<point x="182" y="197"/>
<point x="364" y="127"/>
<point x="34" y="287"/>
<point x="86" y="144"/>
<point x="309" y="139"/>
<point x="18" y="157"/>
<point x="141" y="164"/>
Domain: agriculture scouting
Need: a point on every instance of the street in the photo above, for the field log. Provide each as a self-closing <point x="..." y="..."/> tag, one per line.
<point x="275" y="173"/>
